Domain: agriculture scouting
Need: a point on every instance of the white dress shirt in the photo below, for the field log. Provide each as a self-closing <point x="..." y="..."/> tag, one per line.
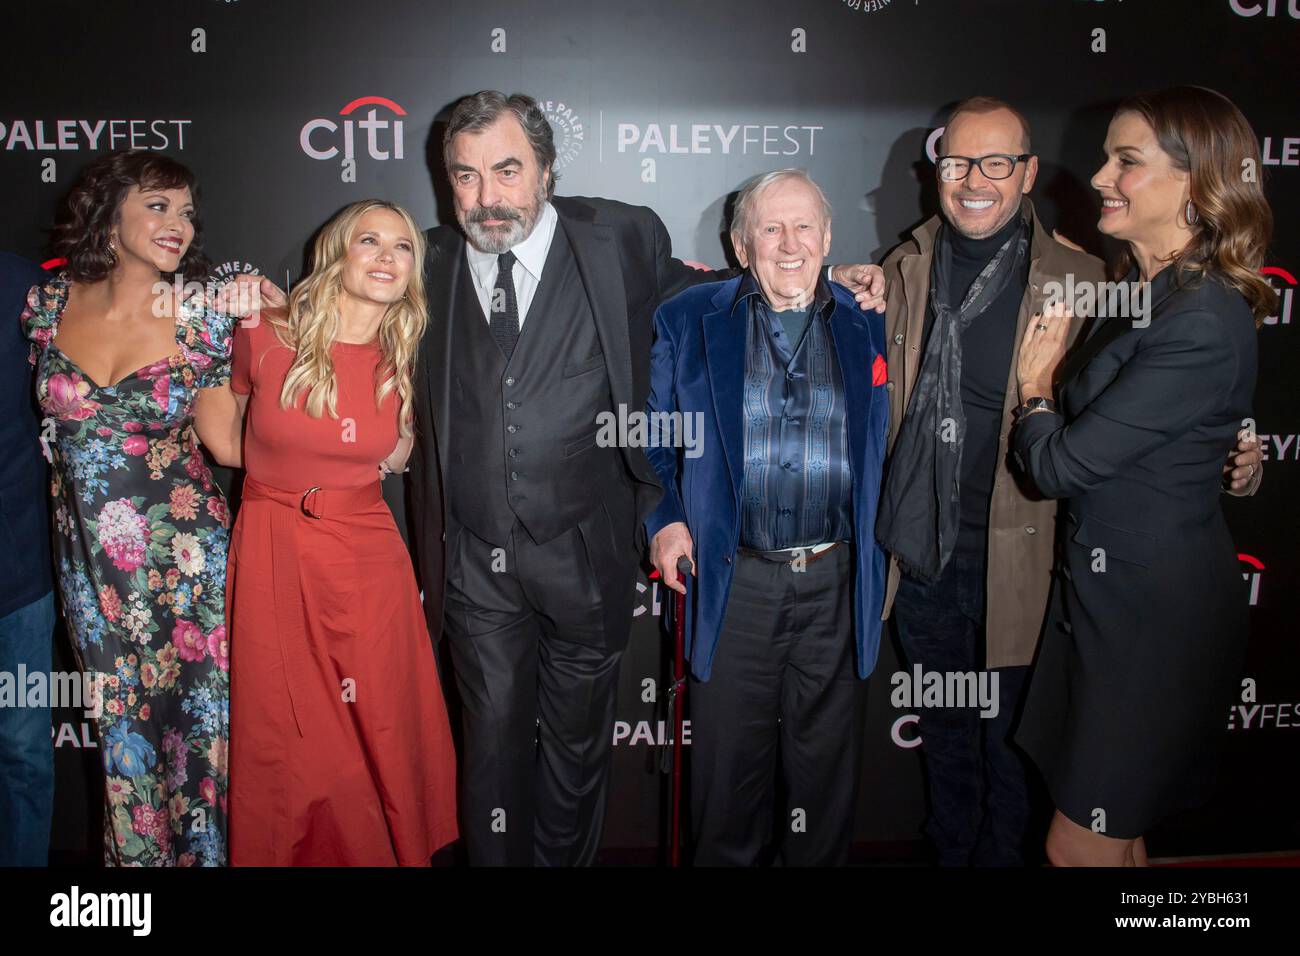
<point x="530" y="258"/>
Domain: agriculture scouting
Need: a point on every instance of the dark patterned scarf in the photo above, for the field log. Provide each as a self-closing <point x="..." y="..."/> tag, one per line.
<point x="919" y="505"/>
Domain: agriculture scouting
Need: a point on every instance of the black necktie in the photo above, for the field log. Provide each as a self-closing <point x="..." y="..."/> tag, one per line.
<point x="504" y="307"/>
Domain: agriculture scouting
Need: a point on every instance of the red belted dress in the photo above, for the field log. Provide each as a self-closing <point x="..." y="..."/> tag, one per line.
<point x="340" y="752"/>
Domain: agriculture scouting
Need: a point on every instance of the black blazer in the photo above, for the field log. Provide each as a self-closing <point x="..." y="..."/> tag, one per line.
<point x="1150" y="415"/>
<point x="1147" y="627"/>
<point x="624" y="257"/>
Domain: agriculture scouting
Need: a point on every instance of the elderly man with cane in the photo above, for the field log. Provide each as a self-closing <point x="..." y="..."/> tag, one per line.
<point x="775" y="508"/>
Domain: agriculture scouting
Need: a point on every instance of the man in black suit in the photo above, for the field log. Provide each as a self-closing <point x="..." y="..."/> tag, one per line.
<point x="540" y="322"/>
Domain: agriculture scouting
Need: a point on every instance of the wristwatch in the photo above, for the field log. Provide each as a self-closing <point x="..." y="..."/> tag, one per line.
<point x="1033" y="405"/>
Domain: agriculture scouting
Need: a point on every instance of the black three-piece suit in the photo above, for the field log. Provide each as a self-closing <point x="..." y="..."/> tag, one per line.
<point x="532" y="525"/>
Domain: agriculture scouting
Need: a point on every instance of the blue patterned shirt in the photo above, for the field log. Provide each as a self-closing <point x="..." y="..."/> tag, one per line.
<point x="798" y="485"/>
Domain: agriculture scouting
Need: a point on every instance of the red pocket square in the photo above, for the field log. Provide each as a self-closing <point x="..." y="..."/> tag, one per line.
<point x="879" y="371"/>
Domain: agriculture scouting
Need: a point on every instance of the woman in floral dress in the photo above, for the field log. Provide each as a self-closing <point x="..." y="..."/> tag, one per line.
<point x="140" y="529"/>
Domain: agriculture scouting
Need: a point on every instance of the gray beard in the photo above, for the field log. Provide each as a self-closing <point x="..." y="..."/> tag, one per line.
<point x="502" y="238"/>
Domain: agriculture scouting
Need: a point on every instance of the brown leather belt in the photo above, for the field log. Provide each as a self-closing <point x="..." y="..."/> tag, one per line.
<point x="790" y="555"/>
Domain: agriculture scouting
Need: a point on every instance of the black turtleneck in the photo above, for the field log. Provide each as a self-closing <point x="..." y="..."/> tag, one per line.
<point x="987" y="345"/>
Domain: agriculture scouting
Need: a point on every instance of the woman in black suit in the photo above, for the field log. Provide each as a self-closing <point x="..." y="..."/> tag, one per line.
<point x="1147" y="630"/>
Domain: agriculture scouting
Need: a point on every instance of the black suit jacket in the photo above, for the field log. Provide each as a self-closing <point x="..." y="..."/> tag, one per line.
<point x="624" y="257"/>
<point x="1147" y="628"/>
<point x="1150" y="412"/>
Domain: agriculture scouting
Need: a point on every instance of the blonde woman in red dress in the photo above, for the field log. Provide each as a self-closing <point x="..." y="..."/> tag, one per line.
<point x="340" y="748"/>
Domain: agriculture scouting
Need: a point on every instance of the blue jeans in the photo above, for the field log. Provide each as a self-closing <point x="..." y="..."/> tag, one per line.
<point x="978" y="796"/>
<point x="26" y="751"/>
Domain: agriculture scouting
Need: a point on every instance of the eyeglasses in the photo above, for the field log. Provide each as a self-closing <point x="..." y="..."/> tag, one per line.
<point x="953" y="169"/>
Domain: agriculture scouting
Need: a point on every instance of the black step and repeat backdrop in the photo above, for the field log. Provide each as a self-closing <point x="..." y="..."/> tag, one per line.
<point x="288" y="109"/>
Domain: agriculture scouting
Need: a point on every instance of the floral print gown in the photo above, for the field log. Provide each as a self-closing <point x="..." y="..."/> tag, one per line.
<point x="140" y="538"/>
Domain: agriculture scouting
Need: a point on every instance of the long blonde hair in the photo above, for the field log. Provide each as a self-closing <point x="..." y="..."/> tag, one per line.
<point x="311" y="324"/>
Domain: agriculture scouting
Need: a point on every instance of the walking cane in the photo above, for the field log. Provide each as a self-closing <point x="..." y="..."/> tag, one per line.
<point x="676" y="704"/>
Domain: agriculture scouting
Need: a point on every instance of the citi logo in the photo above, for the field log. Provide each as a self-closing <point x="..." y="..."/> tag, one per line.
<point x="1244" y="8"/>
<point x="1252" y="573"/>
<point x="383" y="135"/>
<point x="1284" y="282"/>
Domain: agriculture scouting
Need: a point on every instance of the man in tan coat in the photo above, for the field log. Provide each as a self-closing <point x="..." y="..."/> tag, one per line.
<point x="972" y="545"/>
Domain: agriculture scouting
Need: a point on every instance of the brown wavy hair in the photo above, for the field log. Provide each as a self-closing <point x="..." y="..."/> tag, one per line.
<point x="1207" y="137"/>
<point x="93" y="206"/>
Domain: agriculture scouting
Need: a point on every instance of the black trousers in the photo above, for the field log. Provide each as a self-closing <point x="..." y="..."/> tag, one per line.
<point x="783" y="691"/>
<point x="536" y="636"/>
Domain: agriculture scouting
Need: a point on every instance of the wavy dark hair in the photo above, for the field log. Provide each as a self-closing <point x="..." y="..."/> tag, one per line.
<point x="93" y="206"/>
<point x="1207" y="137"/>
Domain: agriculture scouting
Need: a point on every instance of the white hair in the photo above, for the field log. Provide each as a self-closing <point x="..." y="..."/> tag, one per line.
<point x="744" y="209"/>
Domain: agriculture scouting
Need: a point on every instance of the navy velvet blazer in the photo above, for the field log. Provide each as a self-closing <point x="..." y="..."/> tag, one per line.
<point x="697" y="364"/>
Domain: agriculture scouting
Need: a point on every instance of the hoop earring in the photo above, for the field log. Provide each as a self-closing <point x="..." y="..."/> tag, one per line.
<point x="1190" y="214"/>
